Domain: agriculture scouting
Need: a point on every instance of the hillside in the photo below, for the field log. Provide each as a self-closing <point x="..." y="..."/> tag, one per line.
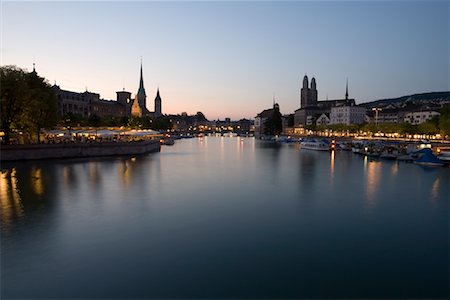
<point x="434" y="98"/>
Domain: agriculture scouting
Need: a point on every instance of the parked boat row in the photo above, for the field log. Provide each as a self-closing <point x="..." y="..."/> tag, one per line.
<point x="419" y="153"/>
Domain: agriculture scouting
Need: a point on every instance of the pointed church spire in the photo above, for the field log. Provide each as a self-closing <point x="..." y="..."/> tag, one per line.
<point x="346" y="90"/>
<point x="141" y="82"/>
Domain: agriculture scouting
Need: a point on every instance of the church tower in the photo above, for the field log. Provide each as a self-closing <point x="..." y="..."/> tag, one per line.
<point x="313" y="93"/>
<point x="304" y="93"/>
<point x="158" y="112"/>
<point x="140" y="96"/>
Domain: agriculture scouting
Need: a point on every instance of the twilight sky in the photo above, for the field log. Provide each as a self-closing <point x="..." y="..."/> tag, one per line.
<point x="229" y="59"/>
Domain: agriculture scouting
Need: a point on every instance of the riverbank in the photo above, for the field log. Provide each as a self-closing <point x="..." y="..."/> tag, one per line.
<point x="75" y="150"/>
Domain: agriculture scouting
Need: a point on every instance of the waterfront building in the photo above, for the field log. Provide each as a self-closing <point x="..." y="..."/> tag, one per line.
<point x="388" y="115"/>
<point x="419" y="117"/>
<point x="87" y="103"/>
<point x="69" y="102"/>
<point x="243" y="126"/>
<point x="347" y="115"/>
<point x="261" y="119"/>
<point x="311" y="109"/>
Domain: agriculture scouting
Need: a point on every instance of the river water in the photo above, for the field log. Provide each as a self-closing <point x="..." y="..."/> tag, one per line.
<point x="222" y="217"/>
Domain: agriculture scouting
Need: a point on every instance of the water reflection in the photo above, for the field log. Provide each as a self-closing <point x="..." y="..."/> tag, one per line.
<point x="94" y="174"/>
<point x="124" y="173"/>
<point x="184" y="210"/>
<point x="373" y="176"/>
<point x="435" y="190"/>
<point x="307" y="169"/>
<point x="332" y="157"/>
<point x="394" y="169"/>
<point x="70" y="177"/>
<point x="10" y="202"/>
<point x="30" y="186"/>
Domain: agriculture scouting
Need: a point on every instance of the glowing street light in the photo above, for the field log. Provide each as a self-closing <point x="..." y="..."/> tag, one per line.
<point x="376" y="110"/>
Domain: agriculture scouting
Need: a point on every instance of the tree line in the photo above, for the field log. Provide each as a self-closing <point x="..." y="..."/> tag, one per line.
<point x="28" y="103"/>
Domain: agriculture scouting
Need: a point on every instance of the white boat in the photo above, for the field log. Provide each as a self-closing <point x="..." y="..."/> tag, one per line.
<point x="444" y="156"/>
<point x="319" y="145"/>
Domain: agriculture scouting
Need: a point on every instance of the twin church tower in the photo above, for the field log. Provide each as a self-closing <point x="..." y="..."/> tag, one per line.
<point x="139" y="107"/>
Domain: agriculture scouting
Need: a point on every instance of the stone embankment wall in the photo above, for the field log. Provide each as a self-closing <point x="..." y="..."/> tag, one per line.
<point x="73" y="150"/>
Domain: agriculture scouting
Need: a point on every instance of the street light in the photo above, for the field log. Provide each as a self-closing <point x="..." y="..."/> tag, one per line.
<point x="376" y="110"/>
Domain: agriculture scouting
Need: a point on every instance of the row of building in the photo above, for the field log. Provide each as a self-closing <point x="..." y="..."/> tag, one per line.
<point x="87" y="103"/>
<point x="345" y="111"/>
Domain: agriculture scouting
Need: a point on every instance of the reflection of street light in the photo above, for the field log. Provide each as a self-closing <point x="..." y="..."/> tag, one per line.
<point x="376" y="109"/>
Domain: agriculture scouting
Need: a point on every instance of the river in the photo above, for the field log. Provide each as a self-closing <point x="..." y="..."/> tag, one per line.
<point x="224" y="217"/>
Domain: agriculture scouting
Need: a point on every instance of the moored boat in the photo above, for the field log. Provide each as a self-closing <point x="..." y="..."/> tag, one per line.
<point x="444" y="156"/>
<point x="427" y="158"/>
<point x="318" y="145"/>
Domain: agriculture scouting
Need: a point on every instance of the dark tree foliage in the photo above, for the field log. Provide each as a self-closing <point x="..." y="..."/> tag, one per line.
<point x="94" y="120"/>
<point x="40" y="112"/>
<point x="162" y="123"/>
<point x="444" y="120"/>
<point x="27" y="102"/>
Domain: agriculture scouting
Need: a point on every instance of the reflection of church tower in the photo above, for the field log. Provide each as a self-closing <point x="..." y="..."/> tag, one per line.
<point x="158" y="104"/>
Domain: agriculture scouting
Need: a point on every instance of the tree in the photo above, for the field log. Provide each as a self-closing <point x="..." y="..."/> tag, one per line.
<point x="428" y="128"/>
<point x="40" y="111"/>
<point x="200" y="118"/>
<point x="13" y="93"/>
<point x="444" y="120"/>
<point x="27" y="102"/>
<point x="94" y="120"/>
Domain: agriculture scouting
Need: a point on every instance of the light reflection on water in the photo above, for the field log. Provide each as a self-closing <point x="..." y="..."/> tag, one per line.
<point x="223" y="217"/>
<point x="11" y="204"/>
<point x="373" y="179"/>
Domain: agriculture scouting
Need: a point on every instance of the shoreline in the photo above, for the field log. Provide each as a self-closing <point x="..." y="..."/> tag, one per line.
<point x="76" y="150"/>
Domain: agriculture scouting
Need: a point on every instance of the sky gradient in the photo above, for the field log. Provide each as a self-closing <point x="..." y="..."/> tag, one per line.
<point x="229" y="59"/>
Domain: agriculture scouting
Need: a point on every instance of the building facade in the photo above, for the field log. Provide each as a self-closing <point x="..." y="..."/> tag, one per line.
<point x="311" y="109"/>
<point x="419" y="117"/>
<point x="86" y="103"/>
<point x="261" y="119"/>
<point x="347" y="115"/>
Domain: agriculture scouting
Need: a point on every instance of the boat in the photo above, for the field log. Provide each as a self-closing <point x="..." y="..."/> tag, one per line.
<point x="443" y="153"/>
<point x="167" y="141"/>
<point x="387" y="155"/>
<point x="427" y="158"/>
<point x="318" y="145"/>
<point x="444" y="156"/>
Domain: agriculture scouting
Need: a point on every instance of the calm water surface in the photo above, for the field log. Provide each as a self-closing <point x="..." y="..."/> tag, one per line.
<point x="224" y="218"/>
